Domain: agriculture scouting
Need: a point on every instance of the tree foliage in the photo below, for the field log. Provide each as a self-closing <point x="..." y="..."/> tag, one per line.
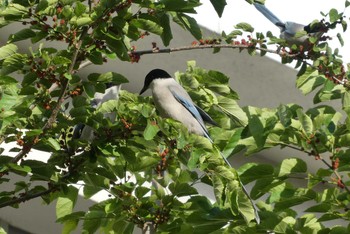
<point x="149" y="165"/>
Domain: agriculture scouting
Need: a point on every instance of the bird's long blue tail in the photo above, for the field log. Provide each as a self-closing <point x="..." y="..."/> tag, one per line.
<point x="268" y="14"/>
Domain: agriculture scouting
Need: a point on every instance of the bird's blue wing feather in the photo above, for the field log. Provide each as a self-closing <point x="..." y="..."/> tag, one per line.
<point x="188" y="104"/>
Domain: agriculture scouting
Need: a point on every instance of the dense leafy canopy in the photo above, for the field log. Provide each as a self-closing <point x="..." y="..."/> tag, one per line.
<point x="149" y="165"/>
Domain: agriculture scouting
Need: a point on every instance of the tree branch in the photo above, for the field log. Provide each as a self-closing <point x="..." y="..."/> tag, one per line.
<point x="26" y="197"/>
<point x="211" y="46"/>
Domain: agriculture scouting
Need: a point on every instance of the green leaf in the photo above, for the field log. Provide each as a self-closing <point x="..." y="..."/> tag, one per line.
<point x="232" y="109"/>
<point x="306" y="122"/>
<point x="180" y="5"/>
<point x="257" y="129"/>
<point x="191" y="25"/>
<point x="151" y="130"/>
<point x="118" y="46"/>
<point x="245" y="27"/>
<point x="12" y="63"/>
<point x="96" y="57"/>
<point x="66" y="202"/>
<point x="301" y="196"/>
<point x="60" y="60"/>
<point x="309" y="80"/>
<point x="40" y="170"/>
<point x="22" y="35"/>
<point x="219" y="6"/>
<point x="253" y="171"/>
<point x="166" y="35"/>
<point x="292" y="165"/>
<point x="285" y="115"/>
<point x="7" y="50"/>
<point x="7" y="80"/>
<point x="19" y="169"/>
<point x="346" y="102"/>
<point x="113" y="77"/>
<point x="93" y="220"/>
<point x="333" y="15"/>
<point x="54" y="143"/>
<point x="329" y="91"/>
<point x="340" y="39"/>
<point x="79" y="9"/>
<point x="42" y="5"/>
<point x="148" y="25"/>
<point x="82" y="21"/>
<point x="69" y="226"/>
<point x="182" y="189"/>
<point x="232" y="142"/>
<point x="89" y="89"/>
<point x="14" y="11"/>
<point x="34" y="132"/>
<point x="323" y="207"/>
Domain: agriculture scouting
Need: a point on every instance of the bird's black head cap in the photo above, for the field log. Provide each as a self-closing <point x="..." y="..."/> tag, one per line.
<point x="152" y="75"/>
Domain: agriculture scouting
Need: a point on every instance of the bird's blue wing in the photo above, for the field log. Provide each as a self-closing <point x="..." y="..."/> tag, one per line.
<point x="188" y="104"/>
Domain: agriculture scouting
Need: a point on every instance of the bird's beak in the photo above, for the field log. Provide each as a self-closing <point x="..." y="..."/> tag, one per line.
<point x="143" y="90"/>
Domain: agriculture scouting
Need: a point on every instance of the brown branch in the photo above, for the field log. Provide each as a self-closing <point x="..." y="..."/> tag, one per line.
<point x="212" y="46"/>
<point x="26" y="197"/>
<point x="185" y="48"/>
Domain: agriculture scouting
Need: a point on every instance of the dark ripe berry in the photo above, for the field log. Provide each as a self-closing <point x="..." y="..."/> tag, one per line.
<point x="34" y="22"/>
<point x="62" y="21"/>
<point x="24" y="23"/>
<point x="44" y="18"/>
